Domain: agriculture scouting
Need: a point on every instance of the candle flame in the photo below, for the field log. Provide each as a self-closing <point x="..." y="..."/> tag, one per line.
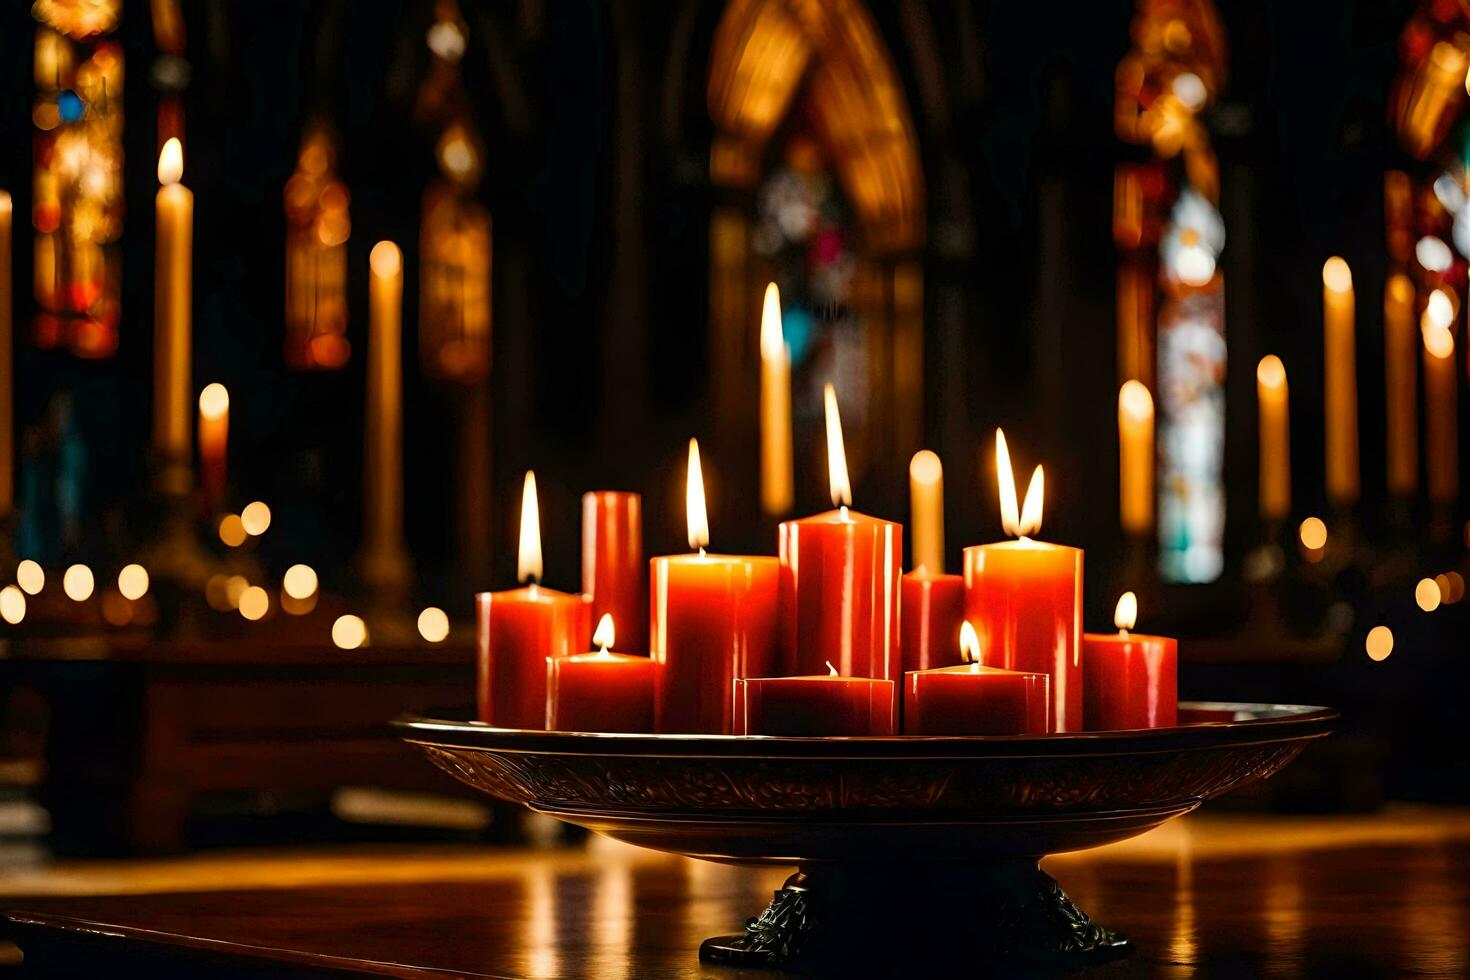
<point x="1438" y="341"/>
<point x="926" y="467"/>
<point x="1010" y="519"/>
<point x="1439" y="309"/>
<point x="214" y="400"/>
<point x="969" y="643"/>
<point x="695" y="513"/>
<point x="1126" y="614"/>
<point x="1271" y="373"/>
<point x="528" y="563"/>
<point x="773" y="344"/>
<point x="1135" y="401"/>
<point x="385" y="259"/>
<point x="831" y="671"/>
<point x="836" y="454"/>
<point x="604" y="636"/>
<point x="171" y="161"/>
<point x="1336" y="275"/>
<point x="1031" y="509"/>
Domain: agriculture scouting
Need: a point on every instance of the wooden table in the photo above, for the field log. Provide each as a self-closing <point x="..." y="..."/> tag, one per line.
<point x="140" y="730"/>
<point x="1387" y="895"/>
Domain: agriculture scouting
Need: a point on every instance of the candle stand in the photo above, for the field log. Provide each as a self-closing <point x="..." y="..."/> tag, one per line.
<point x="913" y="851"/>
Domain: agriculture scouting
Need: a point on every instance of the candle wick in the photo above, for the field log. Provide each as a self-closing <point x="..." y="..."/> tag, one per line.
<point x="701" y="551"/>
<point x="1123" y="633"/>
<point x="842" y="511"/>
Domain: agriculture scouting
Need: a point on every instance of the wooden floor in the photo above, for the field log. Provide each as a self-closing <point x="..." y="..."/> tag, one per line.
<point x="1380" y="895"/>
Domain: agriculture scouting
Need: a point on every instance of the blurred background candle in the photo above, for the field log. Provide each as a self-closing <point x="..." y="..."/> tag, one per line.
<point x="173" y="292"/>
<point x="519" y="630"/>
<point x="1401" y="391"/>
<point x="1340" y="384"/>
<point x="383" y="447"/>
<point x="600" y="691"/>
<point x="932" y="603"/>
<point x="712" y="620"/>
<point x="1130" y="680"/>
<point x="972" y="699"/>
<point x="1024" y="598"/>
<point x="1274" y="439"/>
<point x="214" y="438"/>
<point x="777" y="482"/>
<point x="822" y="704"/>
<point x="1441" y="424"/>
<point x="1135" y="458"/>
<point x="612" y="564"/>
<point x="7" y="380"/>
<point x="840" y="581"/>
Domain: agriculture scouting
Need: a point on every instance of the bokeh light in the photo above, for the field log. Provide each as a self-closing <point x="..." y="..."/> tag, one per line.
<point x="299" y="582"/>
<point x="12" y="604"/>
<point x="232" y="530"/>
<point x="1379" y="643"/>
<point x="1427" y="594"/>
<point x="434" y="624"/>
<point x="1313" y="533"/>
<point x="78" y="582"/>
<point x="255" y="518"/>
<point x="349" y="632"/>
<point x="254" y="602"/>
<point x="132" y="581"/>
<point x="30" y="576"/>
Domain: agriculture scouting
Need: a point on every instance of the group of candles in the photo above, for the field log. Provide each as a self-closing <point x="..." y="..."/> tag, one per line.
<point x="828" y="637"/>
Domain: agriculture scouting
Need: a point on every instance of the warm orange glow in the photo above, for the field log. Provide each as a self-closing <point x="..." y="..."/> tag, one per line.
<point x="299" y="582"/>
<point x="836" y="453"/>
<point x="385" y="260"/>
<point x="214" y="401"/>
<point x="1439" y="309"/>
<point x="1134" y="400"/>
<point x="1427" y="595"/>
<point x="1125" y="615"/>
<point x="1271" y="373"/>
<point x="696" y="517"/>
<point x="12" y="604"/>
<point x="528" y="559"/>
<point x="235" y="587"/>
<point x="969" y="644"/>
<point x="926" y="468"/>
<point x="30" y="576"/>
<point x="254" y="603"/>
<point x="434" y="624"/>
<point x="1439" y="342"/>
<point x="132" y="581"/>
<point x="171" y="161"/>
<point x="773" y="344"/>
<point x="78" y="583"/>
<point x="255" y="518"/>
<point x="605" y="635"/>
<point x="1313" y="534"/>
<point x="349" y="632"/>
<point x="1031" y="508"/>
<point x="1336" y="275"/>
<point x="1010" y="516"/>
<point x="1379" y="643"/>
<point x="232" y="530"/>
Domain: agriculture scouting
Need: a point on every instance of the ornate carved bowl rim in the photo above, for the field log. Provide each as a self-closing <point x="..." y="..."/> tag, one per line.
<point x="1250" y="724"/>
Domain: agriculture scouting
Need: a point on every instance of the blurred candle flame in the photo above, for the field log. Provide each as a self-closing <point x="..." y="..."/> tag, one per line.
<point x="604" y="636"/>
<point x="1126" y="613"/>
<point x="171" y="161"/>
<point x="836" y="453"/>
<point x="528" y="562"/>
<point x="695" y="514"/>
<point x="773" y="344"/>
<point x="1336" y="275"/>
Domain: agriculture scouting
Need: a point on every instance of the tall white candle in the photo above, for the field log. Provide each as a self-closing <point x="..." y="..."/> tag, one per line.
<point x="172" y="314"/>
<point x="777" y="482"/>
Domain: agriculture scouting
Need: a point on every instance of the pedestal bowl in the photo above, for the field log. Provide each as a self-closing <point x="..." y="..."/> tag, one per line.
<point x="910" y="849"/>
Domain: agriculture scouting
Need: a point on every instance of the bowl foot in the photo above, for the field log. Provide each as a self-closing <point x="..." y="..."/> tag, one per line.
<point x="1008" y="917"/>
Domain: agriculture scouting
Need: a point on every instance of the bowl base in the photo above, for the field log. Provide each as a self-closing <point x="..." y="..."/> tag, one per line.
<point x="875" y="919"/>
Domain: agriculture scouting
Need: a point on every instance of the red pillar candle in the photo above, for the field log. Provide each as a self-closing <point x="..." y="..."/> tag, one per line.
<point x="712" y="620"/>
<point x="1024" y="599"/>
<point x="822" y="704"/>
<point x="932" y="609"/>
<point x="1129" y="680"/>
<point x="519" y="630"/>
<point x="840" y="582"/>
<point x="973" y="699"/>
<point x="612" y="564"/>
<point x="601" y="691"/>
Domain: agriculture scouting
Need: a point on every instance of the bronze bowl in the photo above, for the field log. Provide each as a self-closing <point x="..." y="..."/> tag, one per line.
<point x="943" y="834"/>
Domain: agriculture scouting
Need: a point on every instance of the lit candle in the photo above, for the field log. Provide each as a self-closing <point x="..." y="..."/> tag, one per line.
<point x="383" y="446"/>
<point x="822" y="704"/>
<point x="840" y="581"/>
<point x="1274" y="438"/>
<point x="214" y="438"/>
<point x="1024" y="598"/>
<point x="777" y="482"/>
<point x="612" y="564"/>
<point x="520" y="629"/>
<point x="601" y="691"/>
<point x="7" y="341"/>
<point x="972" y="699"/>
<point x="1131" y="680"/>
<point x="1441" y="425"/>
<point x="1135" y="458"/>
<point x="172" y="317"/>
<point x="713" y="619"/>
<point x="1340" y="382"/>
<point x="931" y="603"/>
<point x="1401" y="385"/>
